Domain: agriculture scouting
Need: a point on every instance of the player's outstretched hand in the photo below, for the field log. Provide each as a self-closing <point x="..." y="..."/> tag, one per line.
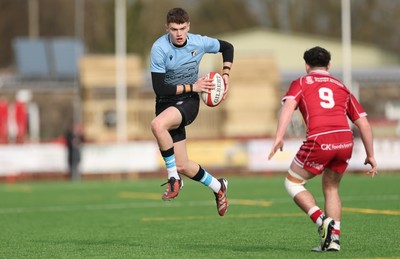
<point x="277" y="145"/>
<point x="373" y="171"/>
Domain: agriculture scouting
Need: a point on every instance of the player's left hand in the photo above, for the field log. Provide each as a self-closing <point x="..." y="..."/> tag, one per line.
<point x="371" y="161"/>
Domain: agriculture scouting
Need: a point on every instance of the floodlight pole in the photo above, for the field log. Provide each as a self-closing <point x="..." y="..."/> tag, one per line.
<point x="346" y="43"/>
<point x="77" y="124"/>
<point x="80" y="19"/>
<point x="120" y="59"/>
<point x="33" y="13"/>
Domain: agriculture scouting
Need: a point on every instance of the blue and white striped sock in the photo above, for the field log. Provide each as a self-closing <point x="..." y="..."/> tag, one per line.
<point x="169" y="159"/>
<point x="210" y="181"/>
<point x="171" y="167"/>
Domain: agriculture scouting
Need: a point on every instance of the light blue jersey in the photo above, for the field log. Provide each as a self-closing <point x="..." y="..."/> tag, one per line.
<point x="181" y="64"/>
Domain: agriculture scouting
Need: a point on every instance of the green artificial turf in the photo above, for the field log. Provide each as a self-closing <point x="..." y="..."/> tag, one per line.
<point x="128" y="219"/>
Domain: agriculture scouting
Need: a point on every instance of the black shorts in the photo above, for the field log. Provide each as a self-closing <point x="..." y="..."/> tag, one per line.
<point x="188" y="107"/>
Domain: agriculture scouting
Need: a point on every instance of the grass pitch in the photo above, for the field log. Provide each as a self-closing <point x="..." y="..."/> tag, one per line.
<point x="128" y="219"/>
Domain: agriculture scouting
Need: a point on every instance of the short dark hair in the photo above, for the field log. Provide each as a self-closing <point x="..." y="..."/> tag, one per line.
<point x="317" y="57"/>
<point x="177" y="15"/>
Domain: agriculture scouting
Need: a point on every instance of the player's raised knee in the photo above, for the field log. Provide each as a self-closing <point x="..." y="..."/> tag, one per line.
<point x="294" y="183"/>
<point x="156" y="126"/>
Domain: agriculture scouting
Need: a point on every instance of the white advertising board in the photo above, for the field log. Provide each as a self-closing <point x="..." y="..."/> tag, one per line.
<point x="144" y="156"/>
<point x="31" y="158"/>
<point x="96" y="158"/>
<point x="130" y="157"/>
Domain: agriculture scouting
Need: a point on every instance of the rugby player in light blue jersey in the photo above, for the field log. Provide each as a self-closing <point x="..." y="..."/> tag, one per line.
<point x="174" y="65"/>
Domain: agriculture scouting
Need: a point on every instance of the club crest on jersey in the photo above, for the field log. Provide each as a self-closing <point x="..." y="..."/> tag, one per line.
<point x="170" y="57"/>
<point x="194" y="52"/>
<point x="309" y="80"/>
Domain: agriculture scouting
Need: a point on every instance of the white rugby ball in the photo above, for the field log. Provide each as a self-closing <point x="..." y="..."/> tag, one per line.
<point x="215" y="96"/>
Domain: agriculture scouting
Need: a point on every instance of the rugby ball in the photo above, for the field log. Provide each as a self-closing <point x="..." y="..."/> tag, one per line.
<point x="215" y="96"/>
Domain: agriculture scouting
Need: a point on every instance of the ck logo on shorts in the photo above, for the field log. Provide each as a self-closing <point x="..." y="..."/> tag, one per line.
<point x="336" y="146"/>
<point x="179" y="103"/>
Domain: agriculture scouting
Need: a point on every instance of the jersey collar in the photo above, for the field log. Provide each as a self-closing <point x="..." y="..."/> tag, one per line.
<point x="320" y="72"/>
<point x="186" y="42"/>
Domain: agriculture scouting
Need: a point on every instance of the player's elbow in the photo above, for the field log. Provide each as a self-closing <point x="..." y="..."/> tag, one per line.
<point x="363" y="124"/>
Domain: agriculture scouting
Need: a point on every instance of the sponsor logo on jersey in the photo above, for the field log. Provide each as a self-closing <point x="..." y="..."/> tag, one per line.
<point x="336" y="146"/>
<point x="328" y="79"/>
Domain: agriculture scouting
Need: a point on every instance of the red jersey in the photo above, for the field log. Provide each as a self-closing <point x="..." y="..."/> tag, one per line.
<point x="324" y="103"/>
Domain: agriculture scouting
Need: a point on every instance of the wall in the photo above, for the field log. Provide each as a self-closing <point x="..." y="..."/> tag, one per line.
<point x="228" y="155"/>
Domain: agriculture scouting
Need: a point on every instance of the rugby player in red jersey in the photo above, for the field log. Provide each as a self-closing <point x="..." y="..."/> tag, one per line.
<point x="325" y="104"/>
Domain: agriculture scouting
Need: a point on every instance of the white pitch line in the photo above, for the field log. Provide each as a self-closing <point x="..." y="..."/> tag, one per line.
<point x="160" y="204"/>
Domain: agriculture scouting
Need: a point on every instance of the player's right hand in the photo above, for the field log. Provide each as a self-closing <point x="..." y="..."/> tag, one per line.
<point x="277" y="145"/>
<point x="203" y="84"/>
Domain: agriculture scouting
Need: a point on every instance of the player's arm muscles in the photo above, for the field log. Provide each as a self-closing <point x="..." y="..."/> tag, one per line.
<point x="163" y="89"/>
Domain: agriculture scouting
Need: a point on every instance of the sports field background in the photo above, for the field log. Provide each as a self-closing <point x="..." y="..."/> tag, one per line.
<point x="128" y="219"/>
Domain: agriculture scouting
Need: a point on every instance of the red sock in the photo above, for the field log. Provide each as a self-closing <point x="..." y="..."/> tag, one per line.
<point x="316" y="215"/>
<point x="336" y="231"/>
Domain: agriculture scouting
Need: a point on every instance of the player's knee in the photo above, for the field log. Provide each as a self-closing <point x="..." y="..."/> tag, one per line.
<point x="294" y="184"/>
<point x="156" y="126"/>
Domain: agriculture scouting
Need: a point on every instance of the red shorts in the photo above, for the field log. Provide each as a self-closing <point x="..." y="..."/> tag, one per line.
<point x="326" y="151"/>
